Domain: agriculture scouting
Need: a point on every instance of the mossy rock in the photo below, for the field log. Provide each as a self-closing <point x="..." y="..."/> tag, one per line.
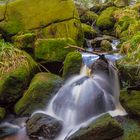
<point x="35" y="15"/>
<point x="89" y="31"/>
<point x="131" y="130"/>
<point x="121" y="3"/>
<point x="106" y="19"/>
<point x="88" y="17"/>
<point x="72" y="64"/>
<point x="2" y="113"/>
<point x="103" y="128"/>
<point x="105" y="45"/>
<point x="24" y="41"/>
<point x="42" y="87"/>
<point x="130" y="102"/>
<point x="17" y="69"/>
<point x="53" y="50"/>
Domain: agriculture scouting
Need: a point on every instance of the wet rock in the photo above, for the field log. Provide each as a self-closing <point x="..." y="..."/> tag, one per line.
<point x="42" y="125"/>
<point x="104" y="127"/>
<point x="72" y="64"/>
<point x="42" y="87"/>
<point x="2" y="113"/>
<point x="53" y="50"/>
<point x="89" y="17"/>
<point x="105" y="45"/>
<point x="43" y="17"/>
<point x="7" y="129"/>
<point x="106" y="20"/>
<point x="130" y="101"/>
<point x="89" y="31"/>
<point x="17" y="69"/>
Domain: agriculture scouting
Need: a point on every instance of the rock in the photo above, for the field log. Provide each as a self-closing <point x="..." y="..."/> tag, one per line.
<point x="42" y="87"/>
<point x="121" y="3"/>
<point x="105" y="45"/>
<point x="89" y="17"/>
<point x="2" y="113"/>
<point x="105" y="19"/>
<point x="17" y="69"/>
<point x="130" y="101"/>
<point x="53" y="50"/>
<point x="81" y="9"/>
<point x="72" y="64"/>
<point x="24" y="41"/>
<point x="42" y="125"/>
<point x="43" y="17"/>
<point x="7" y="129"/>
<point x="89" y="31"/>
<point x="103" y="128"/>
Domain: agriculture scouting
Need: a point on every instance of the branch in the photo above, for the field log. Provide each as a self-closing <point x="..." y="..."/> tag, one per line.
<point x="82" y="49"/>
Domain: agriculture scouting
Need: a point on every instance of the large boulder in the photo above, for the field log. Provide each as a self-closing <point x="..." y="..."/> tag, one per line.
<point x="17" y="69"/>
<point x="103" y="128"/>
<point x="42" y="125"/>
<point x="42" y="87"/>
<point x="106" y="20"/>
<point x="53" y="50"/>
<point x="72" y="64"/>
<point x="130" y="101"/>
<point x="37" y="15"/>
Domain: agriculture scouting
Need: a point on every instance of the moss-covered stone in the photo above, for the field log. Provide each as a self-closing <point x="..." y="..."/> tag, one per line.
<point x="35" y="15"/>
<point x="53" y="50"/>
<point x="42" y="87"/>
<point x="72" y="64"/>
<point x="89" y="17"/>
<point x="24" y="41"/>
<point x="2" y="113"/>
<point x="105" y="45"/>
<point x="105" y="19"/>
<point x="89" y="31"/>
<point x="121" y="3"/>
<point x="103" y="128"/>
<point x="16" y="70"/>
<point x="130" y="102"/>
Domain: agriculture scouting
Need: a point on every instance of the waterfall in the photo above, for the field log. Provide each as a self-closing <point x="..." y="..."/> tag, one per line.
<point x="84" y="97"/>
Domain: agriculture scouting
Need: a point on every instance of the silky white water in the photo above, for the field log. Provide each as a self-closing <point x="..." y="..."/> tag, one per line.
<point x="84" y="97"/>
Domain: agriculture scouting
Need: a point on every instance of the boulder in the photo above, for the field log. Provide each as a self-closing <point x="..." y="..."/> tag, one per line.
<point x="105" y="45"/>
<point x="38" y="15"/>
<point x="130" y="101"/>
<point x="2" y="113"/>
<point x="53" y="50"/>
<point x="106" y="20"/>
<point x="42" y="125"/>
<point x="17" y="69"/>
<point x="89" y="31"/>
<point x="72" y="64"/>
<point x="89" y="17"/>
<point x="42" y="87"/>
<point x="103" y="128"/>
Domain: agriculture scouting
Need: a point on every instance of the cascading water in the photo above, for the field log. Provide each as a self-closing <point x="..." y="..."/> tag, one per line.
<point x="85" y="97"/>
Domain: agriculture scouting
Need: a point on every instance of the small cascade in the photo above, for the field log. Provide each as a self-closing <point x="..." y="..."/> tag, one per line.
<point x="85" y="97"/>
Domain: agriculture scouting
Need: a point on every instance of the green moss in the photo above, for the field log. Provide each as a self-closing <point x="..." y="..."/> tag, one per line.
<point x="72" y="64"/>
<point x="89" y="17"/>
<point x="105" y="20"/>
<point x="24" y="41"/>
<point x="66" y="29"/>
<point x="105" y="45"/>
<point x="131" y="102"/>
<point x="89" y="31"/>
<point x="16" y="70"/>
<point x="41" y="89"/>
<point x="2" y="113"/>
<point x="53" y="50"/>
<point x="105" y="127"/>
